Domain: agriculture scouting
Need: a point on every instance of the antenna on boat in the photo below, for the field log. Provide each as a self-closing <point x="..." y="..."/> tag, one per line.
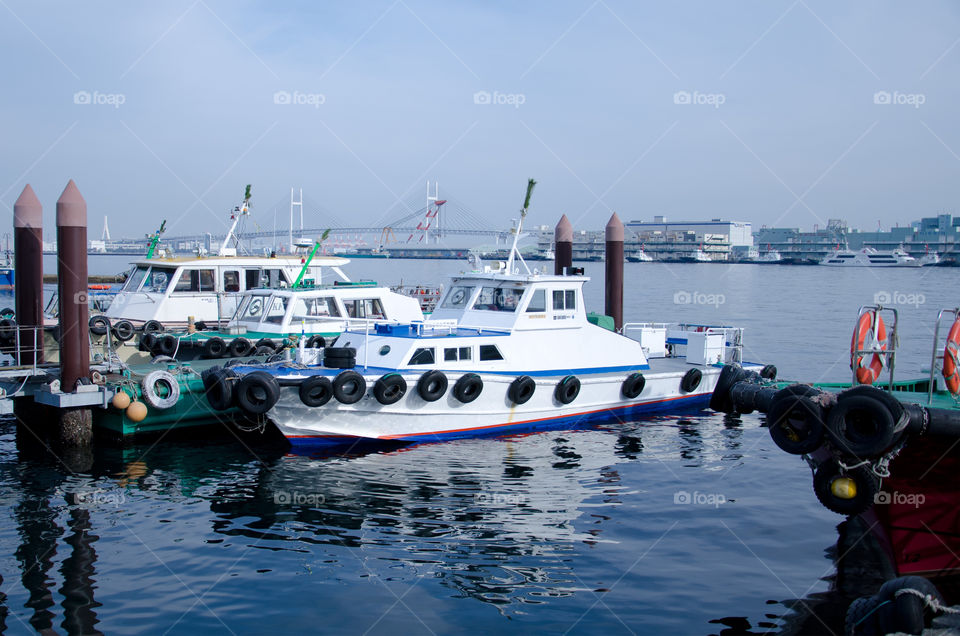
<point x="516" y="231"/>
<point x="155" y="239"/>
<point x="239" y="212"/>
<point x="306" y="261"/>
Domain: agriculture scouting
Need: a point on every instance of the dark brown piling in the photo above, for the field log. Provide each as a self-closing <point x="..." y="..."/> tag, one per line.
<point x="75" y="424"/>
<point x="28" y="263"/>
<point x="614" y="279"/>
<point x="563" y="248"/>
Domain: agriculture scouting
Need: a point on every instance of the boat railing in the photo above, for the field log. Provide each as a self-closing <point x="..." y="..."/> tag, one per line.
<point x="23" y="343"/>
<point x="676" y="343"/>
<point x="887" y="350"/>
<point x="937" y="357"/>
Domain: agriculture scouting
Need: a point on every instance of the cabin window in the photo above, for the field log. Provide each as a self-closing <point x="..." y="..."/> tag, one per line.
<point x="453" y="354"/>
<point x="195" y="280"/>
<point x="160" y="278"/>
<point x="538" y="302"/>
<point x="490" y="352"/>
<point x="135" y="278"/>
<point x="498" y="299"/>
<point x="364" y="308"/>
<point x="276" y="310"/>
<point x="564" y="300"/>
<point x="422" y="356"/>
<point x="253" y="278"/>
<point x="457" y="298"/>
<point x="252" y="308"/>
<point x="231" y="281"/>
<point x="315" y="308"/>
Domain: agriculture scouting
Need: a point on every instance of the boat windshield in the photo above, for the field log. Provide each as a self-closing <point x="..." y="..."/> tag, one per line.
<point x="458" y="297"/>
<point x="159" y="279"/>
<point x="135" y="278"/>
<point x="251" y="308"/>
<point x="276" y="310"/>
<point x="315" y="308"/>
<point x="498" y="299"/>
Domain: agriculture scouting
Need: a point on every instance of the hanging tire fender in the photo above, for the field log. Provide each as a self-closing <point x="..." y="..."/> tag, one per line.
<point x="257" y="392"/>
<point x="155" y="382"/>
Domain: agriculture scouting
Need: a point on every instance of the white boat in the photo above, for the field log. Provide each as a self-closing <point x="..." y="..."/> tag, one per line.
<point x="869" y="257"/>
<point x="929" y="258"/>
<point x="506" y="350"/>
<point x="699" y="256"/>
<point x="640" y="256"/>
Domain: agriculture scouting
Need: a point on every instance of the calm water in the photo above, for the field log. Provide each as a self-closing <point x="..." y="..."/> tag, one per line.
<point x="582" y="531"/>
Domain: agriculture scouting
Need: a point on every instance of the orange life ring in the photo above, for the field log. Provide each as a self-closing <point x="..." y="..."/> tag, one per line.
<point x="951" y="363"/>
<point x="98" y="287"/>
<point x="867" y="374"/>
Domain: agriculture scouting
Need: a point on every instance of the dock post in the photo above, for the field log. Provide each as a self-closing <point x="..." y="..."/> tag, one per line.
<point x="75" y="424"/>
<point x="28" y="264"/>
<point x="614" y="273"/>
<point x="563" y="248"/>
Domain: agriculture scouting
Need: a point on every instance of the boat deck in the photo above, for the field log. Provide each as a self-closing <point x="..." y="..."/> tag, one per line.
<point x="911" y="391"/>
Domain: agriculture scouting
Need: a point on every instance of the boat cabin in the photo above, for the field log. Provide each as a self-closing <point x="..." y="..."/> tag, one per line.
<point x="209" y="289"/>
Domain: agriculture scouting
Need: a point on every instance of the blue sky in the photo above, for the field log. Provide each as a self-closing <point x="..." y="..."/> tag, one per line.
<point x="756" y="111"/>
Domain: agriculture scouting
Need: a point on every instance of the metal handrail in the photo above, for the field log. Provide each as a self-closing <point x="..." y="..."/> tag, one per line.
<point x="936" y="347"/>
<point x="889" y="353"/>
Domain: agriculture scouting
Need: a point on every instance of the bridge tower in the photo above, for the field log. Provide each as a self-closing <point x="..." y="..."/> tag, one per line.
<point x="299" y="204"/>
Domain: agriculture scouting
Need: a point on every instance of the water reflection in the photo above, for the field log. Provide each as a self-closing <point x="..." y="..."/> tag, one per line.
<point x="509" y="523"/>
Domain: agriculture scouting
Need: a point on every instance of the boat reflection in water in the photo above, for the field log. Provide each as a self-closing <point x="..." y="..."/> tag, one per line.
<point x="581" y="528"/>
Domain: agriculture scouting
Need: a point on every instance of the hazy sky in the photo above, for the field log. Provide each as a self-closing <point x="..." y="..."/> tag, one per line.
<point x="760" y="111"/>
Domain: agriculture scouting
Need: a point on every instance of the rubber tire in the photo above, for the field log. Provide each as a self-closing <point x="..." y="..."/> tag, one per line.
<point x="316" y="391"/>
<point x="432" y="385"/>
<point x="150" y="396"/>
<point x="340" y="363"/>
<point x="214" y="347"/>
<point x="342" y="384"/>
<point x="796" y="424"/>
<point x="200" y="325"/>
<point x="147" y="342"/>
<point x="123" y="330"/>
<point x="567" y="390"/>
<point x="521" y="389"/>
<point x="866" y="482"/>
<point x="468" y="388"/>
<point x="265" y="342"/>
<point x="720" y="400"/>
<point x="769" y="372"/>
<point x="861" y="618"/>
<point x="896" y="408"/>
<point x="218" y="387"/>
<point x="6" y="312"/>
<point x="691" y="380"/>
<point x="633" y="386"/>
<point x="165" y="346"/>
<point x="861" y="426"/>
<point x="318" y="342"/>
<point x="257" y="392"/>
<point x="264" y="351"/>
<point x="99" y="325"/>
<point x="339" y="352"/>
<point x="277" y="357"/>
<point x="390" y="389"/>
<point x="152" y="326"/>
<point x="239" y="347"/>
<point x="909" y="614"/>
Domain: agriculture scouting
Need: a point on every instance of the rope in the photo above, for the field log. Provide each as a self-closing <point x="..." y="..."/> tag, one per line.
<point x="929" y="601"/>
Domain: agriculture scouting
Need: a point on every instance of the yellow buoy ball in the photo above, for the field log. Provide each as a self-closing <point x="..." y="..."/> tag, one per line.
<point x="843" y="488"/>
<point x="137" y="411"/>
<point x="121" y="400"/>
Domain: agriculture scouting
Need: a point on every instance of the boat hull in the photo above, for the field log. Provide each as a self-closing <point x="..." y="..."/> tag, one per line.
<point x="414" y="419"/>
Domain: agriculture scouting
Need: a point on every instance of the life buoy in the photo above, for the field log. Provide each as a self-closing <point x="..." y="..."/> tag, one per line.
<point x="567" y="389"/>
<point x="951" y="359"/>
<point x="238" y="347"/>
<point x="633" y="386"/>
<point x="349" y="387"/>
<point x="316" y="391"/>
<point x="257" y="392"/>
<point x="869" y="324"/>
<point x="123" y="330"/>
<point x="432" y="385"/>
<point x="390" y="389"/>
<point x="214" y="347"/>
<point x="156" y="383"/>
<point x="468" y="388"/>
<point x="521" y="389"/>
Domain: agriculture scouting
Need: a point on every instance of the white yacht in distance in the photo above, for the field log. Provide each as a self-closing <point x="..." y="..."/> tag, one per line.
<point x="869" y="257"/>
<point x="640" y="256"/>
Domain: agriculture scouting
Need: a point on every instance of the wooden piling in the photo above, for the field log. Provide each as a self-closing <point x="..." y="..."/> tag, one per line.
<point x="613" y="305"/>
<point x="28" y="264"/>
<point x="563" y="246"/>
<point x="76" y="427"/>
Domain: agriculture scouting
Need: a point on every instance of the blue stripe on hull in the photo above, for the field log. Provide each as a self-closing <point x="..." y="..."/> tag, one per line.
<point x="597" y="417"/>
